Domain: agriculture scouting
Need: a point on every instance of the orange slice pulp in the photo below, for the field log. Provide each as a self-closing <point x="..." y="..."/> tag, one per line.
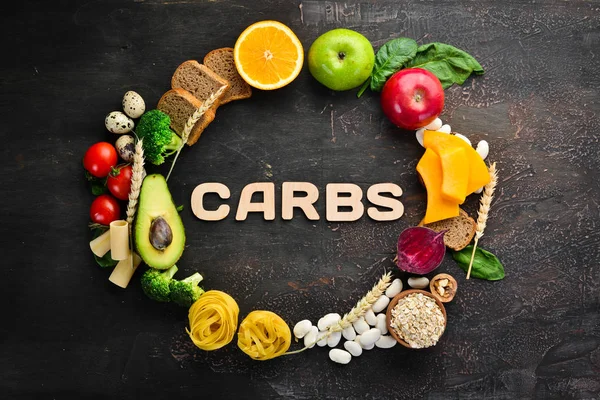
<point x="268" y="55"/>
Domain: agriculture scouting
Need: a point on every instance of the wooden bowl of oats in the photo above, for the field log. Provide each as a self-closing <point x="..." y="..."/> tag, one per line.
<point x="416" y="319"/>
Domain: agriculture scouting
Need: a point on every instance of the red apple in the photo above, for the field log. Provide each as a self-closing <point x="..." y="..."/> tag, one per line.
<point x="412" y="98"/>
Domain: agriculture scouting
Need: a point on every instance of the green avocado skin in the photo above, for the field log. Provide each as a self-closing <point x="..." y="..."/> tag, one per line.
<point x="156" y="201"/>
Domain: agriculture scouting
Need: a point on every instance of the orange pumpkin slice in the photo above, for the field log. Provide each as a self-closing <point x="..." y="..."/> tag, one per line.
<point x="430" y="170"/>
<point x="441" y="142"/>
<point x="455" y="174"/>
<point x="268" y="55"/>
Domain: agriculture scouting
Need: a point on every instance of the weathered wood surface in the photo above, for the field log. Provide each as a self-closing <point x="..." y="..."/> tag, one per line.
<point x="68" y="332"/>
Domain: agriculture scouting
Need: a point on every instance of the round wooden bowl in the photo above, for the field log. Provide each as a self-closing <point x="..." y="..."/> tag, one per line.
<point x="393" y="303"/>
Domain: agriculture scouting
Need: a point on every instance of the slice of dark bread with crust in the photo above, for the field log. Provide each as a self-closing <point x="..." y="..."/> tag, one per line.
<point x="460" y="230"/>
<point x="199" y="80"/>
<point x="221" y="62"/>
<point x="179" y="105"/>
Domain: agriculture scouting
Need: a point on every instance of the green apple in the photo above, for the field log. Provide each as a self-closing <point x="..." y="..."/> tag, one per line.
<point x="341" y="59"/>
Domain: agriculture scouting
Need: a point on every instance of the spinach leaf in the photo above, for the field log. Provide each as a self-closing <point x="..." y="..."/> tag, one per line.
<point x="485" y="264"/>
<point x="106" y="261"/>
<point x="98" y="185"/>
<point x="390" y="58"/>
<point x="449" y="64"/>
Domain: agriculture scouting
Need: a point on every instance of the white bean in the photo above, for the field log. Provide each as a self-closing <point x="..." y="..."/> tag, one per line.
<point x="340" y="356"/>
<point x="382" y="323"/>
<point x="334" y="339"/>
<point x="463" y="137"/>
<point x="386" y="342"/>
<point x="419" y="135"/>
<point x="310" y="337"/>
<point x="369" y="337"/>
<point x="328" y="320"/>
<point x="381" y="303"/>
<point x="445" y="129"/>
<point x="360" y="326"/>
<point x="418" y="283"/>
<point x="369" y="347"/>
<point x="434" y="125"/>
<point x="353" y="348"/>
<point x="322" y="342"/>
<point x="394" y="288"/>
<point x="370" y="318"/>
<point x="302" y="328"/>
<point x="479" y="190"/>
<point x="483" y="149"/>
<point x="349" y="333"/>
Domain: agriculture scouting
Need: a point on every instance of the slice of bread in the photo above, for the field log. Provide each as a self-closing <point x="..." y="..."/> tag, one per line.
<point x="199" y="80"/>
<point x="460" y="230"/>
<point x="179" y="105"/>
<point x="221" y="61"/>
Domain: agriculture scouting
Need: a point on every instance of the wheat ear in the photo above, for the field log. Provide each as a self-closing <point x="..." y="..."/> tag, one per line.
<point x="360" y="309"/>
<point x="137" y="177"/>
<point x="195" y="117"/>
<point x="484" y="210"/>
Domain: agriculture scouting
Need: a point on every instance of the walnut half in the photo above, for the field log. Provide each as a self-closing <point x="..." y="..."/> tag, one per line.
<point x="443" y="286"/>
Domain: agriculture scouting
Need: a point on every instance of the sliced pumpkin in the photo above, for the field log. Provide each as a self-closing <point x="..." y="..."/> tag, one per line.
<point x="455" y="174"/>
<point x="430" y="170"/>
<point x="441" y="142"/>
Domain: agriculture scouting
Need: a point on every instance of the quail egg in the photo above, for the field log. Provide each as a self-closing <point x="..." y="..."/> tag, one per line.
<point x="117" y="122"/>
<point x="133" y="104"/>
<point x="126" y="147"/>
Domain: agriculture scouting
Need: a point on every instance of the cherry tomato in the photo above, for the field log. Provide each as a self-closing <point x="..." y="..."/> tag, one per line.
<point x="105" y="209"/>
<point x="119" y="182"/>
<point x="99" y="159"/>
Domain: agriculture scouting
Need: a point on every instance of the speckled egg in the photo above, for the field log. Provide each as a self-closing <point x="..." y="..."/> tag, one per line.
<point x="133" y="104"/>
<point x="117" y="122"/>
<point x="126" y="147"/>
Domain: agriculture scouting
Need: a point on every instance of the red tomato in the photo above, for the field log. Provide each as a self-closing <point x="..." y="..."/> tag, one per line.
<point x="119" y="182"/>
<point x="99" y="159"/>
<point x="105" y="209"/>
<point x="412" y="98"/>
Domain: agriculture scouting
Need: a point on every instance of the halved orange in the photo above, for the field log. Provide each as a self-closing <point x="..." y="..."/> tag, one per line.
<point x="268" y="55"/>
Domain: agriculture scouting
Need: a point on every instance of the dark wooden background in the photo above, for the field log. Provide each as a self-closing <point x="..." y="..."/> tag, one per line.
<point x="67" y="332"/>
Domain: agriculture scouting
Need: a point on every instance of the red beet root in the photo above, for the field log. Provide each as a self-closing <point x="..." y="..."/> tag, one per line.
<point x="420" y="250"/>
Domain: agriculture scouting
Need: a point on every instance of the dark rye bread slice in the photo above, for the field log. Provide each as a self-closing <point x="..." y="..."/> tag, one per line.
<point x="221" y="61"/>
<point x="179" y="105"/>
<point x="461" y="230"/>
<point x="199" y="80"/>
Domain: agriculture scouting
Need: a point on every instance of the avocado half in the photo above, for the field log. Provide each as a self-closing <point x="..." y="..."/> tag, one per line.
<point x="158" y="230"/>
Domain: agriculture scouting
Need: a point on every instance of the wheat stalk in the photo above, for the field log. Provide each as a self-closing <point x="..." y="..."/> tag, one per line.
<point x="484" y="210"/>
<point x="137" y="176"/>
<point x="364" y="304"/>
<point x="195" y="117"/>
<point x="360" y="309"/>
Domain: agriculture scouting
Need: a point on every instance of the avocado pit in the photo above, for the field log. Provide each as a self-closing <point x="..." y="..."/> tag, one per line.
<point x="161" y="234"/>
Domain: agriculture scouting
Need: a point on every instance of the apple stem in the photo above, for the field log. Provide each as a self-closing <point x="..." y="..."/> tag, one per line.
<point x="341" y="55"/>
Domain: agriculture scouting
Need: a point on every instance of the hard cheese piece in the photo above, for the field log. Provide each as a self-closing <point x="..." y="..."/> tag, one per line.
<point x="441" y="142"/>
<point x="455" y="174"/>
<point x="430" y="170"/>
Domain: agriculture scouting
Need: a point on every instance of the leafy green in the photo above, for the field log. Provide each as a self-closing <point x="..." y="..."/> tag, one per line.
<point x="106" y="261"/>
<point x="485" y="265"/>
<point x="98" y="185"/>
<point x="390" y="58"/>
<point x="449" y="64"/>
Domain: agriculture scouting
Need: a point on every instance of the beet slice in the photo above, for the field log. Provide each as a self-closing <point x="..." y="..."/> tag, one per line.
<point x="420" y="250"/>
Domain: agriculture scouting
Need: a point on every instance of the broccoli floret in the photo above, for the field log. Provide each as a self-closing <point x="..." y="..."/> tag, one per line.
<point x="159" y="141"/>
<point x="186" y="292"/>
<point x="155" y="283"/>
